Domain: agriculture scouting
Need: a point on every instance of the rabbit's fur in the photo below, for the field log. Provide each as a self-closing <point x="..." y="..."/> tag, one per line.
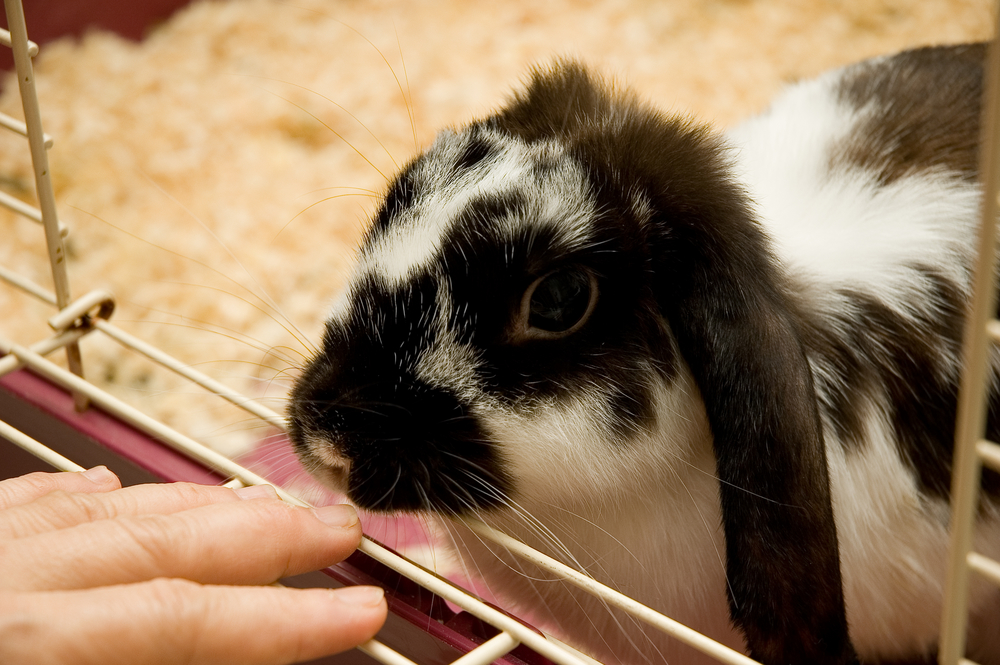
<point x="740" y="408"/>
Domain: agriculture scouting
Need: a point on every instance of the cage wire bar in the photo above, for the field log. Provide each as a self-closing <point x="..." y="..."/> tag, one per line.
<point x="90" y="314"/>
<point x="982" y="332"/>
<point x="38" y="144"/>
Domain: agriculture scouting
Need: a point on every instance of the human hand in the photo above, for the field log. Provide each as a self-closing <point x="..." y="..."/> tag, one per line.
<point x="93" y="573"/>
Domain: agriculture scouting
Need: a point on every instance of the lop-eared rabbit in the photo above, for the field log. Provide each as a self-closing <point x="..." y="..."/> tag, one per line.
<point x="716" y="372"/>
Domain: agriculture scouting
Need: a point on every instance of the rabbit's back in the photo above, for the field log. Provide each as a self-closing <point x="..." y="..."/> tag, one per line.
<point x="865" y="180"/>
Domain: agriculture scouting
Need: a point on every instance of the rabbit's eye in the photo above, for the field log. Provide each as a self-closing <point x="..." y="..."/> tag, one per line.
<point x="558" y="303"/>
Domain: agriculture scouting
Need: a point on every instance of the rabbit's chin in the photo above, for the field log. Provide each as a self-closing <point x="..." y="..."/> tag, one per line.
<point x="659" y="543"/>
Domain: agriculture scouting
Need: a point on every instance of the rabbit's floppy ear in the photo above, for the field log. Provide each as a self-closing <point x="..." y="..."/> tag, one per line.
<point x="718" y="286"/>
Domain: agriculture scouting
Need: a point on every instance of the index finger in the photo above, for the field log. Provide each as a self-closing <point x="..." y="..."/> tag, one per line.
<point x="241" y="542"/>
<point x="60" y="510"/>
<point x="24" y="489"/>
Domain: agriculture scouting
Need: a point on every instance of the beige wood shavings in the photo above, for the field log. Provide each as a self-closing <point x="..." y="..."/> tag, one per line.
<point x="218" y="161"/>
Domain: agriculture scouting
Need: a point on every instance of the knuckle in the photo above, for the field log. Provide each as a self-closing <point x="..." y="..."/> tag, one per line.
<point x="193" y="493"/>
<point x="21" y="631"/>
<point x="187" y="610"/>
<point x="61" y="508"/>
<point x="162" y="541"/>
<point x="34" y="484"/>
<point x="281" y="511"/>
<point x="277" y="530"/>
<point x="173" y="596"/>
<point x="271" y="519"/>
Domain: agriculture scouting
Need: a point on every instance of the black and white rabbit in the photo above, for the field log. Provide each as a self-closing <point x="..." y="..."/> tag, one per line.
<point x="716" y="373"/>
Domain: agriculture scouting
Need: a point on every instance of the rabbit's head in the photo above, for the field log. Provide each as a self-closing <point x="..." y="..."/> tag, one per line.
<point x="564" y="300"/>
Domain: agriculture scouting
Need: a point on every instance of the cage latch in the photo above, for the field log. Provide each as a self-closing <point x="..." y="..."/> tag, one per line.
<point x="97" y="304"/>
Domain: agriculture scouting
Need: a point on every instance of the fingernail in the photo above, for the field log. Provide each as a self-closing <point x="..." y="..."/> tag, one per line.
<point x="340" y="515"/>
<point x="366" y="596"/>
<point x="99" y="475"/>
<point x="256" y="492"/>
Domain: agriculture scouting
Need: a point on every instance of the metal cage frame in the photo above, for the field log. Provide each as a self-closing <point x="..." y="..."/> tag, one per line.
<point x="92" y="425"/>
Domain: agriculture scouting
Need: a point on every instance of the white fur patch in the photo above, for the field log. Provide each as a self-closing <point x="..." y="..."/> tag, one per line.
<point x="558" y="199"/>
<point x="841" y="229"/>
<point x="448" y="364"/>
<point x="644" y="518"/>
<point x="893" y="546"/>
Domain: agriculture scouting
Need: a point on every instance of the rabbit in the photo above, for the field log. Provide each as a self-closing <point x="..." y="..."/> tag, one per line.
<point x="717" y="372"/>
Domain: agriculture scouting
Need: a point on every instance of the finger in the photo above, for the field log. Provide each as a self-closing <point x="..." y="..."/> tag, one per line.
<point x="243" y="542"/>
<point x="59" y="510"/>
<point x="22" y="489"/>
<point x="173" y="621"/>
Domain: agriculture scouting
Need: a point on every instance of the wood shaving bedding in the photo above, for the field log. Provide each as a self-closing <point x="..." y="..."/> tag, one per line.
<point x="237" y="151"/>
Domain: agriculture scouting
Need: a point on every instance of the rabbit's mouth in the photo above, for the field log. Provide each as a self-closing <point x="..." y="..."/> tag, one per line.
<point x="453" y="472"/>
<point x="415" y="448"/>
<point x="332" y="469"/>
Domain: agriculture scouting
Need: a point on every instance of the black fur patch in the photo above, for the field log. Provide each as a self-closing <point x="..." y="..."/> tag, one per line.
<point x="400" y="196"/>
<point x="412" y="446"/>
<point x="898" y="361"/>
<point x="476" y="150"/>
<point x="924" y="108"/>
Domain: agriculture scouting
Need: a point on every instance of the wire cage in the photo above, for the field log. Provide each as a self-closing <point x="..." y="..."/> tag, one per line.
<point x="82" y="425"/>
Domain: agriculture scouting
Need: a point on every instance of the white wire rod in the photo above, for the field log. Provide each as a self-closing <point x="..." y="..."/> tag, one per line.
<point x="20" y="207"/>
<point x="19" y="127"/>
<point x="372" y="647"/>
<point x="20" y="47"/>
<point x="487" y="652"/>
<point x="140" y="420"/>
<point x="989" y="452"/>
<point x="28" y="211"/>
<point x="971" y="416"/>
<point x="39" y="450"/>
<point x="993" y="328"/>
<point x="985" y="566"/>
<point x="18" y="38"/>
<point x="95" y="305"/>
<point x="384" y="654"/>
<point x="5" y="40"/>
<point x="642" y="612"/>
<point x="10" y="363"/>
<point x="26" y="285"/>
<point x="445" y="589"/>
<point x="173" y="364"/>
<point x="158" y="356"/>
<point x="214" y="460"/>
<point x="21" y="356"/>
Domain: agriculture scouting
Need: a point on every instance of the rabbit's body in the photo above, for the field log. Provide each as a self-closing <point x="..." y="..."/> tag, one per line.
<point x="689" y="367"/>
<point x="876" y="230"/>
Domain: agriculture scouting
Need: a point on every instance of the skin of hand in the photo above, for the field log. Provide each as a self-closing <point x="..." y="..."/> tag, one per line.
<point x="170" y="573"/>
